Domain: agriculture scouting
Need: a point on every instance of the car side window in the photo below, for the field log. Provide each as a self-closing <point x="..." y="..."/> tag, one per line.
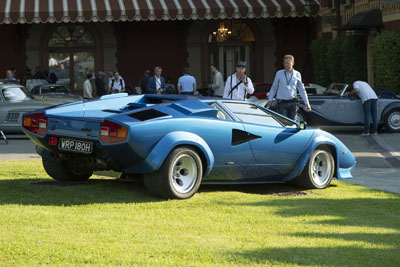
<point x="252" y="114"/>
<point x="222" y="115"/>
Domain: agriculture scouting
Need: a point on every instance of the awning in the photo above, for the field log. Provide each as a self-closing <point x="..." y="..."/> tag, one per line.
<point x="43" y="11"/>
<point x="364" y="21"/>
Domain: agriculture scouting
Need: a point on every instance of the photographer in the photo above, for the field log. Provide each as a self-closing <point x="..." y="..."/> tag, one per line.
<point x="238" y="84"/>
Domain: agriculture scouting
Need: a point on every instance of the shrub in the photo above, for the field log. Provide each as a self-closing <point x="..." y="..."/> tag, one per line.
<point x="354" y="59"/>
<point x="386" y="60"/>
<point x="319" y="50"/>
<point x="334" y="60"/>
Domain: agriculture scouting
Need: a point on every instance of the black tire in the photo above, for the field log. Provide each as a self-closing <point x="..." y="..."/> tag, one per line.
<point x="168" y="181"/>
<point x="392" y="121"/>
<point x="315" y="177"/>
<point x="61" y="172"/>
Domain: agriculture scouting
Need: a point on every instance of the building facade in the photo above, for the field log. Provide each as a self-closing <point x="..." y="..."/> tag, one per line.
<point x="74" y="37"/>
<point x="362" y="17"/>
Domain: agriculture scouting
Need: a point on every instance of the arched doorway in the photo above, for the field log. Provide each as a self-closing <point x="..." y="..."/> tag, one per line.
<point x="230" y="41"/>
<point x="72" y="51"/>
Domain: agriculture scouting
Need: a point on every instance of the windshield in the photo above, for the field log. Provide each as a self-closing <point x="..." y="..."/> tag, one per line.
<point x="54" y="89"/>
<point x="252" y="114"/>
<point x="335" y="88"/>
<point x="13" y="94"/>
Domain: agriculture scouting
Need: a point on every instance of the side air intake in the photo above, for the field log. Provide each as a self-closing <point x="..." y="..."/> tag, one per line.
<point x="148" y="114"/>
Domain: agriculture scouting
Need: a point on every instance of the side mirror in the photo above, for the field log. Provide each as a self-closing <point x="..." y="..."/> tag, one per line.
<point x="302" y="125"/>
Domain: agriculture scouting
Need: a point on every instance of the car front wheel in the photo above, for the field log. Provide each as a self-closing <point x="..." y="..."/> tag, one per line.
<point x="62" y="172"/>
<point x="392" y="121"/>
<point x="318" y="172"/>
<point x="179" y="177"/>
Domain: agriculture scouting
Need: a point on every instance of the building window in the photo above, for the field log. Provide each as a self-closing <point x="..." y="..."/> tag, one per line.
<point x="71" y="54"/>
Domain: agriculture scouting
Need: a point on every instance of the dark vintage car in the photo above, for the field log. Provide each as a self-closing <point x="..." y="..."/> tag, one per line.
<point x="176" y="142"/>
<point x="333" y="108"/>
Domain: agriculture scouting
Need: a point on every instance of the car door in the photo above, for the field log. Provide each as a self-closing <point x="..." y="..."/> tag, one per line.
<point x="349" y="109"/>
<point x="276" y="146"/>
<point x="232" y="159"/>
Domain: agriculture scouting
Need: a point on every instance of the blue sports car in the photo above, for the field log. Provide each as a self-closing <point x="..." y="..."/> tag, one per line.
<point x="174" y="143"/>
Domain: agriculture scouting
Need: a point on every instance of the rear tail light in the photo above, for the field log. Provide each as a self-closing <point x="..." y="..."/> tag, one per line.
<point x="36" y="123"/>
<point x="111" y="132"/>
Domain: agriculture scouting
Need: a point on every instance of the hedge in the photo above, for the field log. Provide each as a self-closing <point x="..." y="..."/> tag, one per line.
<point x="386" y="60"/>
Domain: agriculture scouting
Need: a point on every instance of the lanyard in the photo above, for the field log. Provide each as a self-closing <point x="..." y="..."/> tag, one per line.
<point x="291" y="76"/>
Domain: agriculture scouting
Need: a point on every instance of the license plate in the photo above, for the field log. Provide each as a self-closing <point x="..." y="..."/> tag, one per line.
<point x="75" y="145"/>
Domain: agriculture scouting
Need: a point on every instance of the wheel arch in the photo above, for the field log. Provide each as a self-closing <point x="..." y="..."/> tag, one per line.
<point x="319" y="142"/>
<point x="168" y="143"/>
<point x="389" y="108"/>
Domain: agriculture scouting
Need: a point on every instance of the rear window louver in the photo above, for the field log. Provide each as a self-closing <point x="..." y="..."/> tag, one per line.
<point x="147" y="115"/>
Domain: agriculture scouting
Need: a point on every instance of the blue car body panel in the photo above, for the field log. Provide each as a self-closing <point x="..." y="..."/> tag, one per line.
<point x="273" y="154"/>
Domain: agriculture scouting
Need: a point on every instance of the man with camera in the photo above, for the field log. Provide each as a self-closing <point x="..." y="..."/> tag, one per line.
<point x="238" y="84"/>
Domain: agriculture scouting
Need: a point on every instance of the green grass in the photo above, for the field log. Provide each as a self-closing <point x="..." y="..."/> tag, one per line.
<point x="112" y="222"/>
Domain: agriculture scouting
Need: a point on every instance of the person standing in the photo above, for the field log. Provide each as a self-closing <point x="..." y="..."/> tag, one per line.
<point x="27" y="76"/>
<point x="110" y="76"/>
<point x="10" y="76"/>
<point x="87" y="87"/>
<point x="186" y="83"/>
<point x="100" y="84"/>
<point x="285" y="86"/>
<point x="370" y="102"/>
<point x="217" y="84"/>
<point x="117" y="84"/>
<point x="238" y="84"/>
<point x="38" y="74"/>
<point x="156" y="83"/>
<point x="143" y="81"/>
<point x="170" y="87"/>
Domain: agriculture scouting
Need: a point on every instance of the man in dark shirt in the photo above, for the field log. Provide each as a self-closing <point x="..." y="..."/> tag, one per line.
<point x="38" y="74"/>
<point x="144" y="80"/>
<point x="100" y="84"/>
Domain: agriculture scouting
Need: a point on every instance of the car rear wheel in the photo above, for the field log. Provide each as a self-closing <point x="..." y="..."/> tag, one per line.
<point x="319" y="170"/>
<point x="179" y="177"/>
<point x="392" y="121"/>
<point x="62" y="172"/>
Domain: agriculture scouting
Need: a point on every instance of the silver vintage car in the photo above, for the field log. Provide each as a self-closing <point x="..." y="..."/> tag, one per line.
<point x="334" y="108"/>
<point x="15" y="101"/>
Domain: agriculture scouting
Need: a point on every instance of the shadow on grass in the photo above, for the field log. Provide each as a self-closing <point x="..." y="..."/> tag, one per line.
<point x="319" y="256"/>
<point x="358" y="246"/>
<point x="42" y="191"/>
<point x="367" y="212"/>
<point x="56" y="193"/>
<point x="260" y="189"/>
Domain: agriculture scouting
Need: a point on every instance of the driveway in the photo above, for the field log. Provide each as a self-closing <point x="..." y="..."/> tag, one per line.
<point x="378" y="157"/>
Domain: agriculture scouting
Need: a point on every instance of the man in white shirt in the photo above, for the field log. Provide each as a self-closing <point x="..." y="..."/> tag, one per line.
<point x="186" y="83"/>
<point x="285" y="86"/>
<point x="117" y="84"/>
<point x="218" y="82"/>
<point x="369" y="100"/>
<point x="87" y="87"/>
<point x="238" y="84"/>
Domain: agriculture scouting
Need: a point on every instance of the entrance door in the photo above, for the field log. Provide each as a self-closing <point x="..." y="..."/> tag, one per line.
<point x="71" y="68"/>
<point x="230" y="55"/>
<point x="72" y="55"/>
<point x="231" y="41"/>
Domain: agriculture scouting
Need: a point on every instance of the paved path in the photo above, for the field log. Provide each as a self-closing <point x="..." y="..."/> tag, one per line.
<point x="378" y="157"/>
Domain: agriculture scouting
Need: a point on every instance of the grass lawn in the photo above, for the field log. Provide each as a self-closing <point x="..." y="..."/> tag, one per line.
<point x="112" y="222"/>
